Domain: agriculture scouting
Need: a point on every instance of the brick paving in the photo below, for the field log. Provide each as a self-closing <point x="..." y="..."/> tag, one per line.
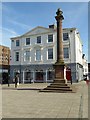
<point x="35" y="104"/>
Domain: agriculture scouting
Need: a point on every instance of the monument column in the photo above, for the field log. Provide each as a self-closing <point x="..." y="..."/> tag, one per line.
<point x="59" y="65"/>
<point x="59" y="83"/>
<point x="59" y="19"/>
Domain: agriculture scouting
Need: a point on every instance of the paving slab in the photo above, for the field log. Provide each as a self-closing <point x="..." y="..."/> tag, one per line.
<point x="35" y="104"/>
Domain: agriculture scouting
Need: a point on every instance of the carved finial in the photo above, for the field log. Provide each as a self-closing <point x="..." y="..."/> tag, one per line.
<point x="59" y="11"/>
<point x="59" y="14"/>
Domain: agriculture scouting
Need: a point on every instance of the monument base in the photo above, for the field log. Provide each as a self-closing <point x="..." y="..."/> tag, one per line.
<point x="59" y="84"/>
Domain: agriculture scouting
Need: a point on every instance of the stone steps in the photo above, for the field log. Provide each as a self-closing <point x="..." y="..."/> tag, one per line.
<point x="62" y="89"/>
<point x="57" y="86"/>
<point x="56" y="91"/>
<point x="59" y="81"/>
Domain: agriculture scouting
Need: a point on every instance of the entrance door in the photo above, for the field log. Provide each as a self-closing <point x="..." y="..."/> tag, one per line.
<point x="4" y="77"/>
<point x="27" y="77"/>
<point x="68" y="74"/>
<point x="39" y="76"/>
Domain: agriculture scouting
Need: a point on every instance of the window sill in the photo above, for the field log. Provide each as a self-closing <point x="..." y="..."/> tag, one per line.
<point x="26" y="61"/>
<point x="66" y="40"/>
<point x="38" y="60"/>
<point x="50" y="42"/>
<point x="17" y="46"/>
<point x="38" y="43"/>
<point x="28" y="45"/>
<point x="50" y="59"/>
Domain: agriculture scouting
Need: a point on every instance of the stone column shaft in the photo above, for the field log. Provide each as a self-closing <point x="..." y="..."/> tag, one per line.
<point x="59" y="42"/>
<point x="59" y="19"/>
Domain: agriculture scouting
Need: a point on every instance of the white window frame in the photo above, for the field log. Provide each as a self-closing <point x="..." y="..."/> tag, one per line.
<point x="18" y="57"/>
<point x="16" y="43"/>
<point x="68" y="36"/>
<point x="41" y="40"/>
<point x="25" y="60"/>
<point x="52" y="40"/>
<point x="48" y="55"/>
<point x="36" y="55"/>
<point x="26" y="41"/>
<point x="68" y="52"/>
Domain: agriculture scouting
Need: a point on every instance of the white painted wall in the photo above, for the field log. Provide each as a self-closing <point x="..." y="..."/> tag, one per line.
<point x="78" y="49"/>
<point x="74" y="54"/>
<point x="85" y="66"/>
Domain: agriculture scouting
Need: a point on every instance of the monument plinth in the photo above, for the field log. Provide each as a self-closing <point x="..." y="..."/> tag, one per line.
<point x="59" y="83"/>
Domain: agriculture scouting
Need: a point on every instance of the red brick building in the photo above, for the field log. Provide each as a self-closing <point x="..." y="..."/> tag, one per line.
<point x="4" y="63"/>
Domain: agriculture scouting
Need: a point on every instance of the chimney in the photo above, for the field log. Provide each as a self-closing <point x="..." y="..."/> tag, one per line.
<point x="83" y="56"/>
<point x="52" y="26"/>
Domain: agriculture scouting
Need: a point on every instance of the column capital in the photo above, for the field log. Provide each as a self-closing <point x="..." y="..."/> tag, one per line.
<point x="59" y="15"/>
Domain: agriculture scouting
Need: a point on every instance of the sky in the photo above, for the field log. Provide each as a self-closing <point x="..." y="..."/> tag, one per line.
<point x="20" y="17"/>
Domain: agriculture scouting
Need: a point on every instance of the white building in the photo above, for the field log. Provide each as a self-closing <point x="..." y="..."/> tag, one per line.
<point x="34" y="53"/>
<point x="85" y="65"/>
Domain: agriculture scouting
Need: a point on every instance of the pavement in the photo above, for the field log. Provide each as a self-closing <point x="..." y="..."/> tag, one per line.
<point x="30" y="103"/>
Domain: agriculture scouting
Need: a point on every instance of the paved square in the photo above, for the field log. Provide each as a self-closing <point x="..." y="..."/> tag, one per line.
<point x="35" y="104"/>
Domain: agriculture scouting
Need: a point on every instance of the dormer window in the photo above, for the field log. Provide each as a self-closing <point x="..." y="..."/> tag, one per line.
<point x="17" y="43"/>
<point x="27" y="41"/>
<point x="39" y="39"/>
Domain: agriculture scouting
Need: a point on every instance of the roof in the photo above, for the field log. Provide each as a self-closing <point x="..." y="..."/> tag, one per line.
<point x="48" y="29"/>
<point x="4" y="46"/>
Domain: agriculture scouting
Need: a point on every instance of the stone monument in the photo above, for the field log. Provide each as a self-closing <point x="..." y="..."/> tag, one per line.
<point x="59" y="83"/>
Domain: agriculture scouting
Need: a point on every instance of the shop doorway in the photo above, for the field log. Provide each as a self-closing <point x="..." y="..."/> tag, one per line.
<point x="4" y="78"/>
<point x="39" y="76"/>
<point x="28" y="76"/>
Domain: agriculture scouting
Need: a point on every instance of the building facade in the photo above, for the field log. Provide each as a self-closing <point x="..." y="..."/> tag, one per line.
<point x="89" y="70"/>
<point x="85" y="65"/>
<point x="4" y="63"/>
<point x="34" y="53"/>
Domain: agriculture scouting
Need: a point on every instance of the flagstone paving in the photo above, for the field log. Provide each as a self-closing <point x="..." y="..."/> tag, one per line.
<point x="35" y="104"/>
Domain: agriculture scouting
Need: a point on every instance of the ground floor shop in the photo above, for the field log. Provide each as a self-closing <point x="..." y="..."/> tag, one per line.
<point x="4" y="74"/>
<point x="42" y="73"/>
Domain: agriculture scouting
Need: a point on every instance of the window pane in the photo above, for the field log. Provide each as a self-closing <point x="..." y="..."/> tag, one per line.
<point x="65" y="36"/>
<point x="39" y="39"/>
<point x="17" y="42"/>
<point x="66" y="53"/>
<point x="38" y="54"/>
<point x="27" y="56"/>
<point x="50" y="53"/>
<point x="50" y="38"/>
<point x="27" y="41"/>
<point x="17" y="56"/>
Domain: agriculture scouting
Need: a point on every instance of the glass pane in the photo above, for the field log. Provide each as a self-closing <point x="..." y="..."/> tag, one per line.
<point x="38" y="54"/>
<point x="17" y="56"/>
<point x="50" y="53"/>
<point x="66" y="53"/>
<point x="50" y="38"/>
<point x="39" y="39"/>
<point x="27" y="41"/>
<point x="17" y="42"/>
<point x="65" y="36"/>
<point x="27" y="55"/>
